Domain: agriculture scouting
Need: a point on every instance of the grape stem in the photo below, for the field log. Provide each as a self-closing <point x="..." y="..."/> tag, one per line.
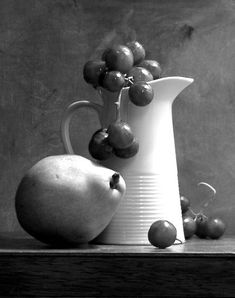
<point x="196" y="214"/>
<point x="130" y="80"/>
<point x="118" y="106"/>
<point x="99" y="90"/>
<point x="193" y="213"/>
<point x="212" y="198"/>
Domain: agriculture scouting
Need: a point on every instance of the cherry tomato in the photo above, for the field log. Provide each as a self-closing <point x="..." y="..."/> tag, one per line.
<point x="162" y="233"/>
<point x="128" y="152"/>
<point x="93" y="71"/>
<point x="113" y="81"/>
<point x="119" y="58"/>
<point x="152" y="66"/>
<point x="201" y="226"/>
<point x="138" y="51"/>
<point x="120" y="135"/>
<point x="140" y="74"/>
<point x="215" y="228"/>
<point x="141" y="93"/>
<point x="99" y="147"/>
<point x="185" y="203"/>
<point x="189" y="226"/>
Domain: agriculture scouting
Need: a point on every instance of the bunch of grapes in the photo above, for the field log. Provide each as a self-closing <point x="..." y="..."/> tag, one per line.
<point x="162" y="233"/>
<point x="200" y="224"/>
<point x="121" y="66"/>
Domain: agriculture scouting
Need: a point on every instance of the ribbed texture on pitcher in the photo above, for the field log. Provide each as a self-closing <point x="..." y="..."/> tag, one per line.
<point x="148" y="198"/>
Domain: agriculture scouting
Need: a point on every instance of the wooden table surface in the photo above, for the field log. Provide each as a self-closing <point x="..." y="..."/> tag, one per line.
<point x="197" y="268"/>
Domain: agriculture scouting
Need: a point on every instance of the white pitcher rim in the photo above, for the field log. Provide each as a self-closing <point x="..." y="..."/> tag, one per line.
<point x="180" y="78"/>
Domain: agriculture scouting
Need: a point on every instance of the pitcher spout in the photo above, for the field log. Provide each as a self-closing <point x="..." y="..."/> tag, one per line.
<point x="168" y="88"/>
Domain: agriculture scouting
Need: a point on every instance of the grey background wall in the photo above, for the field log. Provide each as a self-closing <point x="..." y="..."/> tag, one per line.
<point x="43" y="47"/>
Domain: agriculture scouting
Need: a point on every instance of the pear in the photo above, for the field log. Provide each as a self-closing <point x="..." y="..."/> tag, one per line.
<point x="67" y="199"/>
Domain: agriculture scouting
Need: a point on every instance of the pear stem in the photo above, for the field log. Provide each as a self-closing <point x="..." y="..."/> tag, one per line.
<point x="114" y="180"/>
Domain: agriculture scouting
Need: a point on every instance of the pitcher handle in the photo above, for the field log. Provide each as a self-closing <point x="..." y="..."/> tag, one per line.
<point x="69" y="113"/>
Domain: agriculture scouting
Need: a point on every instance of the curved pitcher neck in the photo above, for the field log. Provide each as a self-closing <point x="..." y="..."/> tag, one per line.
<point x="168" y="88"/>
<point x="165" y="90"/>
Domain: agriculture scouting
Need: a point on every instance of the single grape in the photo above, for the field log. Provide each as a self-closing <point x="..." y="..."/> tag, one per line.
<point x="119" y="57"/>
<point x="113" y="81"/>
<point x="162" y="233"/>
<point x="201" y="226"/>
<point x="120" y="135"/>
<point x="215" y="228"/>
<point x="140" y="74"/>
<point x="141" y="93"/>
<point x="189" y="226"/>
<point x="99" y="147"/>
<point x="93" y="70"/>
<point x="138" y="51"/>
<point x="185" y="203"/>
<point x="153" y="67"/>
<point x="128" y="152"/>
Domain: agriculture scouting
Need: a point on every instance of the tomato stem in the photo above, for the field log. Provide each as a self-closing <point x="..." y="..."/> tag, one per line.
<point x="191" y="210"/>
<point x="99" y="90"/>
<point x="180" y="242"/>
<point x="205" y="205"/>
<point x="209" y="186"/>
<point x="130" y="80"/>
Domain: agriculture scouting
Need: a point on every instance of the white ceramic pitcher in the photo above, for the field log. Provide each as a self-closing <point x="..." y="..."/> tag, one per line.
<point x="151" y="175"/>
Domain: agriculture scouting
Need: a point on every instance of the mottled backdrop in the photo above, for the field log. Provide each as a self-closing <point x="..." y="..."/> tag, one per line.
<point x="43" y="47"/>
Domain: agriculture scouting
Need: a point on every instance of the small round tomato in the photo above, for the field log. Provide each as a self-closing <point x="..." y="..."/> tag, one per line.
<point x="189" y="226"/>
<point x="99" y="147"/>
<point x="185" y="203"/>
<point x="141" y="93"/>
<point x="93" y="71"/>
<point x="201" y="226"/>
<point x="152" y="66"/>
<point x="119" y="58"/>
<point x="113" y="81"/>
<point x="128" y="152"/>
<point x="215" y="228"/>
<point x="140" y="74"/>
<point x="162" y="234"/>
<point x="137" y="50"/>
<point x="120" y="135"/>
